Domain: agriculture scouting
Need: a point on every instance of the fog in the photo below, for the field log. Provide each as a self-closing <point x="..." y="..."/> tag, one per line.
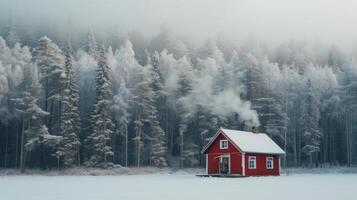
<point x="271" y="21"/>
<point x="155" y="79"/>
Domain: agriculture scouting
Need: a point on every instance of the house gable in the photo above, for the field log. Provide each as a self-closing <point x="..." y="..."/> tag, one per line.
<point x="214" y="145"/>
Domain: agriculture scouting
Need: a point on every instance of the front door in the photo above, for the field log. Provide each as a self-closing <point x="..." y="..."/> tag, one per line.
<point x="224" y="165"/>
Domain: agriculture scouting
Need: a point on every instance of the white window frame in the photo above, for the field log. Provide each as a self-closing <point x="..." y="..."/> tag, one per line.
<point x="221" y="144"/>
<point x="271" y="161"/>
<point x="251" y="158"/>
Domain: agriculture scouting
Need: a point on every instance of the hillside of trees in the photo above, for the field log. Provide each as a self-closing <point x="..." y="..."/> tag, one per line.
<point x="123" y="99"/>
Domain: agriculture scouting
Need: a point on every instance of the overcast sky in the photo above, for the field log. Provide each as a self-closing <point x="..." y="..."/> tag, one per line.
<point x="269" y="20"/>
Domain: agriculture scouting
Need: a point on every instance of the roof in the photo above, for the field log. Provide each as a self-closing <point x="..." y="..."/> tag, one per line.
<point x="249" y="142"/>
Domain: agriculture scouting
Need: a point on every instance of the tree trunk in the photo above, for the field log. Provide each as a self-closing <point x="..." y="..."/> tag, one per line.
<point x="78" y="155"/>
<point x="172" y="133"/>
<point x="328" y="143"/>
<point x="126" y="146"/>
<point x="181" y="149"/>
<point x="299" y="141"/>
<point x="114" y="148"/>
<point x="23" y="150"/>
<point x="332" y="149"/>
<point x="138" y="142"/>
<point x="285" y="133"/>
<point x="42" y="164"/>
<point x="46" y="99"/>
<point x="58" y="162"/>
<point x="50" y="120"/>
<point x="295" y="140"/>
<point x="6" y="143"/>
<point x="23" y="166"/>
<point x="60" y="112"/>
<point x="348" y="139"/>
<point x="17" y="145"/>
<point x="352" y="139"/>
<point x="167" y="123"/>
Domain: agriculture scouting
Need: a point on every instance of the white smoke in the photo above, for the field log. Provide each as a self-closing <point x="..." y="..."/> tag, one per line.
<point x="204" y="79"/>
<point x="227" y="103"/>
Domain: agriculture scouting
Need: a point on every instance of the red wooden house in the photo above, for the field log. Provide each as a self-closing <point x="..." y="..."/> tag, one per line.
<point x="242" y="153"/>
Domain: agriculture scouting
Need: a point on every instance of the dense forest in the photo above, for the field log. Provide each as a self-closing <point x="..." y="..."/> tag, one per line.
<point x="124" y="99"/>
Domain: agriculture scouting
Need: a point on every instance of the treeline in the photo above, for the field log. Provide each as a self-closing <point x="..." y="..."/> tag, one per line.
<point x="137" y="102"/>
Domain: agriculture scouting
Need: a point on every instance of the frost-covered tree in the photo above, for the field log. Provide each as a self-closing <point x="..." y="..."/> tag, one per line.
<point x="12" y="37"/>
<point x="102" y="125"/>
<point x="122" y="115"/>
<point x="158" y="152"/>
<point x="35" y="131"/>
<point x="170" y="97"/>
<point x="69" y="148"/>
<point x="91" y="46"/>
<point x="146" y="122"/>
<point x="13" y="62"/>
<point x="142" y="96"/>
<point x="309" y="124"/>
<point x="49" y="60"/>
<point x="348" y="93"/>
<point x="123" y="64"/>
<point x="167" y="40"/>
<point x="85" y="68"/>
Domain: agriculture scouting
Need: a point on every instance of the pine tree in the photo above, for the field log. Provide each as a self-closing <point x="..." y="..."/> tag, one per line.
<point x="35" y="132"/>
<point x="158" y="144"/>
<point x="91" y="46"/>
<point x="49" y="59"/>
<point x="70" y="116"/>
<point x="102" y="124"/>
<point x="146" y="115"/>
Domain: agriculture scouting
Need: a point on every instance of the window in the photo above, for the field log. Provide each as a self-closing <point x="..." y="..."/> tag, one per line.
<point x="270" y="163"/>
<point x="223" y="144"/>
<point x="252" y="164"/>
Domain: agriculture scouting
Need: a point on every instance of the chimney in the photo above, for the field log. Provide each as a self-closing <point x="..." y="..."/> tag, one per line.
<point x="254" y="129"/>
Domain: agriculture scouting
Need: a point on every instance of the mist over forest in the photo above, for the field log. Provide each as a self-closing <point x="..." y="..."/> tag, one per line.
<point x="107" y="83"/>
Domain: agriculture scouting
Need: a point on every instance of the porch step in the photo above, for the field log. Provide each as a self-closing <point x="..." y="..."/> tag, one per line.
<point x="221" y="175"/>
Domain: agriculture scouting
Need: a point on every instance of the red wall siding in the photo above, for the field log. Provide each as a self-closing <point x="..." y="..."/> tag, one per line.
<point x="261" y="165"/>
<point x="213" y="164"/>
<point x="236" y="163"/>
<point x="214" y="152"/>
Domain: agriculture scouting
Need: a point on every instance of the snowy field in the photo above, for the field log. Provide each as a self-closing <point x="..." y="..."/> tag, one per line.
<point x="178" y="187"/>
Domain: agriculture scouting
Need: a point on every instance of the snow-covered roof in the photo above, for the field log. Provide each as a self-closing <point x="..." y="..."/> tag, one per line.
<point x="250" y="142"/>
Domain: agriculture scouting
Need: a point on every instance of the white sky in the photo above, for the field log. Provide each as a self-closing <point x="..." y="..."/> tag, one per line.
<point x="269" y="20"/>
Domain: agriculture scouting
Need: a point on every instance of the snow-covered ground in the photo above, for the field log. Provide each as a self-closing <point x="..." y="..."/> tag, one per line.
<point x="178" y="186"/>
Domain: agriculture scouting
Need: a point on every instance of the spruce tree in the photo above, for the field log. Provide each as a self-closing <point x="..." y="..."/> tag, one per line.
<point x="70" y="116"/>
<point x="91" y="46"/>
<point x="102" y="125"/>
<point x="158" y="143"/>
